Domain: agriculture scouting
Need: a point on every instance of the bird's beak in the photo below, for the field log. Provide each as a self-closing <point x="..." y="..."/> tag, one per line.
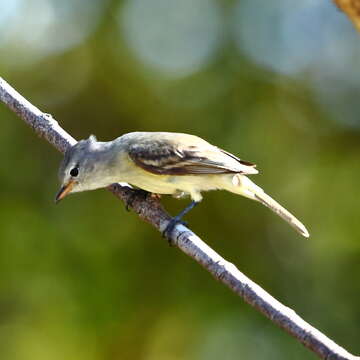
<point x="66" y="189"/>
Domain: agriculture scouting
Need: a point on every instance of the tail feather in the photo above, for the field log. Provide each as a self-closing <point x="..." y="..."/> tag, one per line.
<point x="246" y="187"/>
<point x="282" y="212"/>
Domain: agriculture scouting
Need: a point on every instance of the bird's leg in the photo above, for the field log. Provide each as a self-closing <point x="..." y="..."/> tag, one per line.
<point x="177" y="220"/>
<point x="134" y="194"/>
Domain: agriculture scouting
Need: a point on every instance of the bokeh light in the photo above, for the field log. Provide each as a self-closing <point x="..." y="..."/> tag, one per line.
<point x="304" y="39"/>
<point x="174" y="37"/>
<point x="34" y="29"/>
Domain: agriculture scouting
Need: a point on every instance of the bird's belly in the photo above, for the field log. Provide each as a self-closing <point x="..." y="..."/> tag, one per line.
<point x="158" y="184"/>
<point x="172" y="184"/>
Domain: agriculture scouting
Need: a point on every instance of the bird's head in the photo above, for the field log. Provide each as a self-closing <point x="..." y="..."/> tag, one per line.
<point x="77" y="169"/>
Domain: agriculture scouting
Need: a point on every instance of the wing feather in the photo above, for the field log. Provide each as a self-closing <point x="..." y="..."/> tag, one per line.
<point x="179" y="156"/>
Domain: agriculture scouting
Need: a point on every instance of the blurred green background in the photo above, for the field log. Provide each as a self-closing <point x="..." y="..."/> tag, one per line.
<point x="275" y="82"/>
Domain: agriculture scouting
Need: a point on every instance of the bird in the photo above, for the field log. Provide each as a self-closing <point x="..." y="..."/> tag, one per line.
<point x="168" y="163"/>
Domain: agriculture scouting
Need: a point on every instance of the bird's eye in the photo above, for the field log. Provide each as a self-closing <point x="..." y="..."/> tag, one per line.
<point x="74" y="172"/>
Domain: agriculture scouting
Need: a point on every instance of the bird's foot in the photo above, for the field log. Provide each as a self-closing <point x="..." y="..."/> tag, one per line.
<point x="155" y="196"/>
<point x="135" y="193"/>
<point x="171" y="226"/>
<point x="177" y="220"/>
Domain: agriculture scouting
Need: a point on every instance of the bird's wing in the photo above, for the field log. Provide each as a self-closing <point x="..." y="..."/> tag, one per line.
<point x="186" y="157"/>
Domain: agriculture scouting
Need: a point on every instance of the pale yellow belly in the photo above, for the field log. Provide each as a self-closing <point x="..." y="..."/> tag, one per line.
<point x="169" y="184"/>
<point x="158" y="185"/>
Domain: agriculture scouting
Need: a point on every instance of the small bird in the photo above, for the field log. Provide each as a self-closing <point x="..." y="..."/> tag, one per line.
<point x="163" y="163"/>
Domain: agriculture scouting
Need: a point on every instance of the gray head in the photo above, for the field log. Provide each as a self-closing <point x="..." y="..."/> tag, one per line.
<point x="81" y="169"/>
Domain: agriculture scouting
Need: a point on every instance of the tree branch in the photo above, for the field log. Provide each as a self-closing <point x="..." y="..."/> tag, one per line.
<point x="352" y="9"/>
<point x="150" y="210"/>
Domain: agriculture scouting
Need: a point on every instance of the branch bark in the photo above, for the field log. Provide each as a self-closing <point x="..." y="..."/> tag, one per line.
<point x="151" y="210"/>
<point x="352" y="9"/>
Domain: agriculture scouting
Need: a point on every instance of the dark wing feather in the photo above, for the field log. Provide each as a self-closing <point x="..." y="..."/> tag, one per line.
<point x="164" y="157"/>
<point x="243" y="162"/>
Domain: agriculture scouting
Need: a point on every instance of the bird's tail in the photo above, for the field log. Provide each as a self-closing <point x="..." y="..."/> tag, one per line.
<point x="244" y="186"/>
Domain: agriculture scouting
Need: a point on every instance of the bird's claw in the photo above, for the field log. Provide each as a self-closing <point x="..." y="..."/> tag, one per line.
<point x="134" y="194"/>
<point x="170" y="228"/>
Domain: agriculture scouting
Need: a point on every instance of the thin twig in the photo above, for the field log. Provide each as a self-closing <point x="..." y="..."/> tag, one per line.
<point x="150" y="210"/>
